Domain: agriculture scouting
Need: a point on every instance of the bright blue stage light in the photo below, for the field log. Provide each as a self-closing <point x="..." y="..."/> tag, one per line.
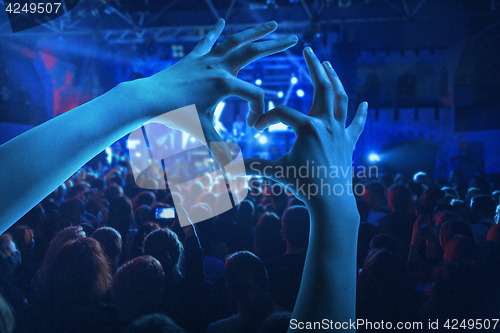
<point x="258" y="82"/>
<point x="300" y="92"/>
<point x="373" y="157"/>
<point x="294" y="80"/>
<point x="280" y="94"/>
<point x="263" y="140"/>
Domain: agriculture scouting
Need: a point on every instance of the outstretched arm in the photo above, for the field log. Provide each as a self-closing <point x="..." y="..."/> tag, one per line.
<point x="36" y="162"/>
<point x="324" y="145"/>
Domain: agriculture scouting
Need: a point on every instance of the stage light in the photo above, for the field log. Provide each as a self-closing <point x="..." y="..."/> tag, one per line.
<point x="258" y="82"/>
<point x="217" y="113"/>
<point x="131" y="144"/>
<point x="193" y="139"/>
<point x="294" y="80"/>
<point x="256" y="135"/>
<point x="373" y="157"/>
<point x="300" y="93"/>
<point x="279" y="127"/>
<point x="109" y="154"/>
<point x="185" y="138"/>
<point x="270" y="105"/>
<point x="138" y="154"/>
<point x="263" y="140"/>
<point x="280" y="94"/>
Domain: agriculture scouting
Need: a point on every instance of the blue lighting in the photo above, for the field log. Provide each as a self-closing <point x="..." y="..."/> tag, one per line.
<point x="262" y="140"/>
<point x="300" y="93"/>
<point x="280" y="94"/>
<point x="258" y="82"/>
<point x="294" y="80"/>
<point x="373" y="157"/>
<point x="109" y="156"/>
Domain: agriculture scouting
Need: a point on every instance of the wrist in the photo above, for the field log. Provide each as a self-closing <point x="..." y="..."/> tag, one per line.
<point x="139" y="99"/>
<point x="334" y="219"/>
<point x="152" y="102"/>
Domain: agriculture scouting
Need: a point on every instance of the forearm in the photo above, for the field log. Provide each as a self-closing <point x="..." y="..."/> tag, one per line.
<point x="328" y="288"/>
<point x="36" y="162"/>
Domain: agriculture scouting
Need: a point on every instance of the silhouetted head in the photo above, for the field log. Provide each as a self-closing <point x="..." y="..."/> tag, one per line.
<point x="154" y="323"/>
<point x="246" y="276"/>
<point x="72" y="212"/>
<point x="295" y="227"/>
<point x="387" y="180"/>
<point x="268" y="240"/>
<point x="120" y="214"/>
<point x="422" y="178"/>
<point x="452" y="228"/>
<point x="142" y="214"/>
<point x="459" y="248"/>
<point x="482" y="207"/>
<point x="245" y="213"/>
<point x="383" y="241"/>
<point x="111" y="242"/>
<point x="472" y="193"/>
<point x="374" y="194"/>
<point x="80" y="275"/>
<point x="494" y="233"/>
<point x="7" y="320"/>
<point x="138" y="287"/>
<point x="80" y="191"/>
<point x="144" y="198"/>
<point x="137" y="246"/>
<point x="164" y="245"/>
<point x="399" y="198"/>
<point x="60" y="239"/>
<point x="10" y="257"/>
<point x="277" y="322"/>
<point x="382" y="274"/>
<point x="112" y="191"/>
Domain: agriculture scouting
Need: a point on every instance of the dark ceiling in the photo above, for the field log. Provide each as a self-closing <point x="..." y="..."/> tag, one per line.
<point x="369" y="24"/>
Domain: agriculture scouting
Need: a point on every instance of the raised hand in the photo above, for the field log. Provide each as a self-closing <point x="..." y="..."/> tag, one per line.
<point x="206" y="76"/>
<point x="328" y="287"/>
<point x="324" y="145"/>
<point x="62" y="145"/>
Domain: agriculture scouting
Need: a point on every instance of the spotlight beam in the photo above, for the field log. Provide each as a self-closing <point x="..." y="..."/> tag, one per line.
<point x="212" y="9"/>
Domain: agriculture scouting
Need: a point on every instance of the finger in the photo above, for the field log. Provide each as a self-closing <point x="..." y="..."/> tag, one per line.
<point x="284" y="114"/>
<point x="215" y="144"/>
<point x="205" y="44"/>
<point x="253" y="51"/>
<point x="234" y="41"/>
<point x="340" y="96"/>
<point x="323" y="92"/>
<point x="253" y="94"/>
<point x="358" y="123"/>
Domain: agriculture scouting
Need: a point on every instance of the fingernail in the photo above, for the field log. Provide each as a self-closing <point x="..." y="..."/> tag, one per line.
<point x="271" y="24"/>
<point x="294" y="39"/>
<point x="309" y="49"/>
<point x="327" y="64"/>
<point x="219" y="22"/>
